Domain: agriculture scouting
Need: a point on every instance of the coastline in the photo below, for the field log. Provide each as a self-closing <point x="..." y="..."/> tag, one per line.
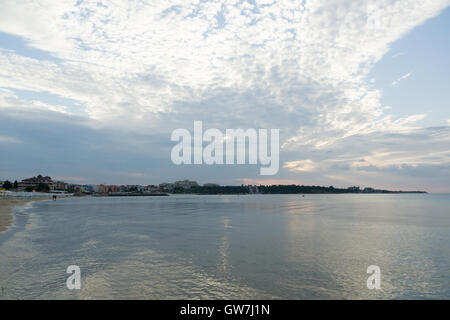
<point x="7" y="212"/>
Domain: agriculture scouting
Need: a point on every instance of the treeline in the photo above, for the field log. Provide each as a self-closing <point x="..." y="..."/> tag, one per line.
<point x="278" y="189"/>
<point x="294" y="189"/>
<point x="214" y="190"/>
<point x="8" y="185"/>
<point x="281" y="189"/>
<point x="41" y="187"/>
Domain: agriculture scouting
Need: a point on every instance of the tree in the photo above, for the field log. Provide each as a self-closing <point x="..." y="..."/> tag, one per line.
<point x="43" y="187"/>
<point x="178" y="190"/>
<point x="15" y="185"/>
<point x="7" y="185"/>
<point x="29" y="189"/>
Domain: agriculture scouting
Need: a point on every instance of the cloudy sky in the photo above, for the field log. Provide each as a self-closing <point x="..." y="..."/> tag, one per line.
<point x="90" y="91"/>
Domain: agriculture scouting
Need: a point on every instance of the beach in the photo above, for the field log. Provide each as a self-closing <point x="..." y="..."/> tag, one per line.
<point x="6" y="209"/>
<point x="6" y="213"/>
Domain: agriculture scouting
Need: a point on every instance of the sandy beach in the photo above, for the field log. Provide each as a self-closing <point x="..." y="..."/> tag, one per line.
<point x="6" y="210"/>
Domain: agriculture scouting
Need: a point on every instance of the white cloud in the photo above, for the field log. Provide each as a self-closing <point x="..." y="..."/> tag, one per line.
<point x="5" y="139"/>
<point x="146" y="56"/>
<point x="405" y="76"/>
<point x="300" y="165"/>
<point x="9" y="100"/>
<point x="398" y="54"/>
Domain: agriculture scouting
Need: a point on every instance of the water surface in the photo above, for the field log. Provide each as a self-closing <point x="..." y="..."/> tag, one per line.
<point x="230" y="247"/>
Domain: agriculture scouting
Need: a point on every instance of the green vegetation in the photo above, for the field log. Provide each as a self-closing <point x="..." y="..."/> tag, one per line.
<point x="43" y="187"/>
<point x="218" y="190"/>
<point x="7" y="185"/>
<point x="280" y="189"/>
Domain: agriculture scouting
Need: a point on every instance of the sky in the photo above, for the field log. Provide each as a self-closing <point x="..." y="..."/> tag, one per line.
<point x="90" y="91"/>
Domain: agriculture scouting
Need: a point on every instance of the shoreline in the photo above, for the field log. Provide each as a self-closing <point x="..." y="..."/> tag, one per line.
<point x="7" y="213"/>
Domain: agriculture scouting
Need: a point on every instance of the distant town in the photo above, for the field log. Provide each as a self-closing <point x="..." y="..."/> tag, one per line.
<point x="45" y="184"/>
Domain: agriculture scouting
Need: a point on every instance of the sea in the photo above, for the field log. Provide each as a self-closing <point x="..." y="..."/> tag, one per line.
<point x="323" y="246"/>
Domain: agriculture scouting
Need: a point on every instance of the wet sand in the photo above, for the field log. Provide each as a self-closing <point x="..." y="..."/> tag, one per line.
<point x="6" y="210"/>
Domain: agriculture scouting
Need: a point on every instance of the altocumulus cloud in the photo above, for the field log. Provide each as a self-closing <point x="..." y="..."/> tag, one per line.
<point x="144" y="68"/>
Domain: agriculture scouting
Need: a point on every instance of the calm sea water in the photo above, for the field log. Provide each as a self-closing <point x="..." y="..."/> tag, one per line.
<point x="230" y="247"/>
